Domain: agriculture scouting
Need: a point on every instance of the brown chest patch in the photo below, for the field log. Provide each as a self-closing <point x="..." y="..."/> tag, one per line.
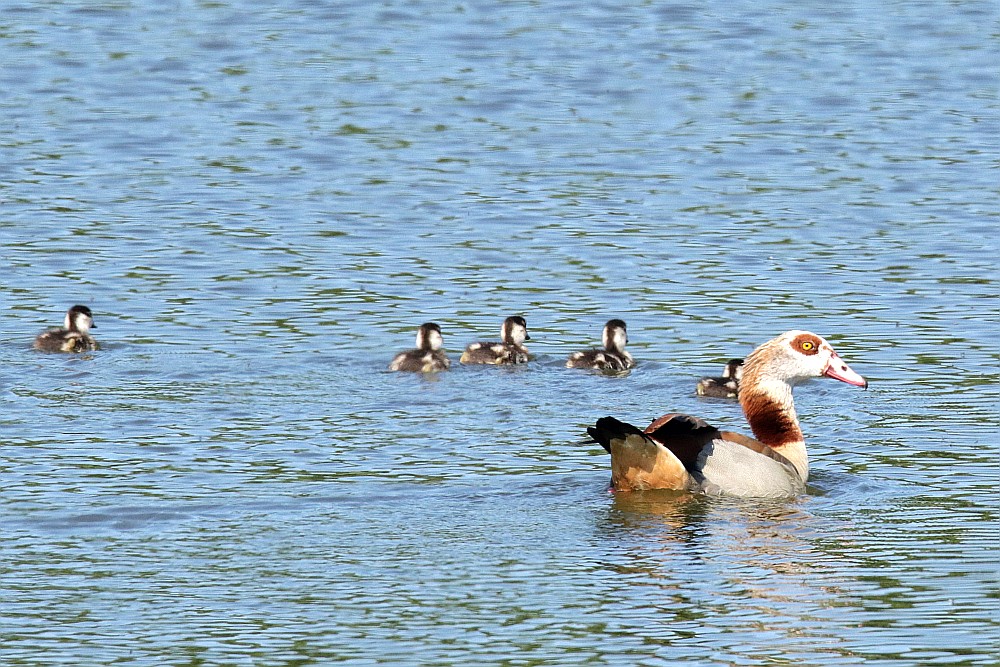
<point x="771" y="423"/>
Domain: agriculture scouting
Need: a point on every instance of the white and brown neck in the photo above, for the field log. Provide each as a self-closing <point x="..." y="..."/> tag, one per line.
<point x="770" y="411"/>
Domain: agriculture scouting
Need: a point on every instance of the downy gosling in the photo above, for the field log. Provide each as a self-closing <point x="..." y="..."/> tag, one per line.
<point x="612" y="358"/>
<point x="73" y="336"/>
<point x="427" y="357"/>
<point x="510" y="349"/>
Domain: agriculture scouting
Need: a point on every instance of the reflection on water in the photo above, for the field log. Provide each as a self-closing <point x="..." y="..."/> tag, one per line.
<point x="776" y="570"/>
<point x="261" y="206"/>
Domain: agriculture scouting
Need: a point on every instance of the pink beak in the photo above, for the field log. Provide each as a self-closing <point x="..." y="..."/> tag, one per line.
<point x="838" y="370"/>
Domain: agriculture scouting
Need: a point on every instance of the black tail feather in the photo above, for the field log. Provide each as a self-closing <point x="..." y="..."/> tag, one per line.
<point x="607" y="429"/>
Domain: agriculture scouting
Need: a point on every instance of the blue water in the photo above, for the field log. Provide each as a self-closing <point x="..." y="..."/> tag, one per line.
<point x="262" y="204"/>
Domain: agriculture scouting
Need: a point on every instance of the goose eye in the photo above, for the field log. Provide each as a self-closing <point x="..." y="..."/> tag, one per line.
<point x="807" y="345"/>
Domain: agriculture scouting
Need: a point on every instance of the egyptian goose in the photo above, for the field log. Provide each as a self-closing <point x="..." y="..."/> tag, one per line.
<point x="685" y="453"/>
<point x="727" y="386"/>
<point x="612" y="358"/>
<point x="510" y="349"/>
<point x="428" y="357"/>
<point x="73" y="336"/>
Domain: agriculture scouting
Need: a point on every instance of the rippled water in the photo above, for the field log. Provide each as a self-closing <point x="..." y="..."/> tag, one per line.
<point x="262" y="204"/>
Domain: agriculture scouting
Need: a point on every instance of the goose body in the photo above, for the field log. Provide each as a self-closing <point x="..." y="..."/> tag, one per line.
<point x="612" y="358"/>
<point x="73" y="336"/>
<point x="681" y="452"/>
<point x="510" y="349"/>
<point x="727" y="386"/>
<point x="427" y="357"/>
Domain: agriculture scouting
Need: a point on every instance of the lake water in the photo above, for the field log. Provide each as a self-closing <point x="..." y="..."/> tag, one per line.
<point x="261" y="204"/>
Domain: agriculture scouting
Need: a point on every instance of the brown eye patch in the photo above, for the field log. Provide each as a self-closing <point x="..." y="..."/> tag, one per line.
<point x="806" y="344"/>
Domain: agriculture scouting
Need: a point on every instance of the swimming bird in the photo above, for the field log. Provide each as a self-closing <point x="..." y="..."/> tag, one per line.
<point x="681" y="452"/>
<point x="427" y="357"/>
<point x="73" y="336"/>
<point x="612" y="358"/>
<point x="510" y="349"/>
<point x="727" y="386"/>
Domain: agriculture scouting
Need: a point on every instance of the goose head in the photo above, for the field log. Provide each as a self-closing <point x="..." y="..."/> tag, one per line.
<point x="615" y="336"/>
<point x="429" y="337"/>
<point x="796" y="356"/>
<point x="79" y="318"/>
<point x="514" y="330"/>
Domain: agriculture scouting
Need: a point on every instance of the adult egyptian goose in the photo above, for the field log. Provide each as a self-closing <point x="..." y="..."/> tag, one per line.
<point x="685" y="453"/>
<point x="612" y="358"/>
<point x="73" y="336"/>
<point x="427" y="357"/>
<point x="510" y="349"/>
<point x="727" y="386"/>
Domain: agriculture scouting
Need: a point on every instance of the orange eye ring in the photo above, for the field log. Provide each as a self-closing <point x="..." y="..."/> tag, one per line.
<point x="807" y="345"/>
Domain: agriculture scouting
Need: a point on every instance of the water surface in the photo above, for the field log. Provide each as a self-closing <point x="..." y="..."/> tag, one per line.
<point x="262" y="204"/>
